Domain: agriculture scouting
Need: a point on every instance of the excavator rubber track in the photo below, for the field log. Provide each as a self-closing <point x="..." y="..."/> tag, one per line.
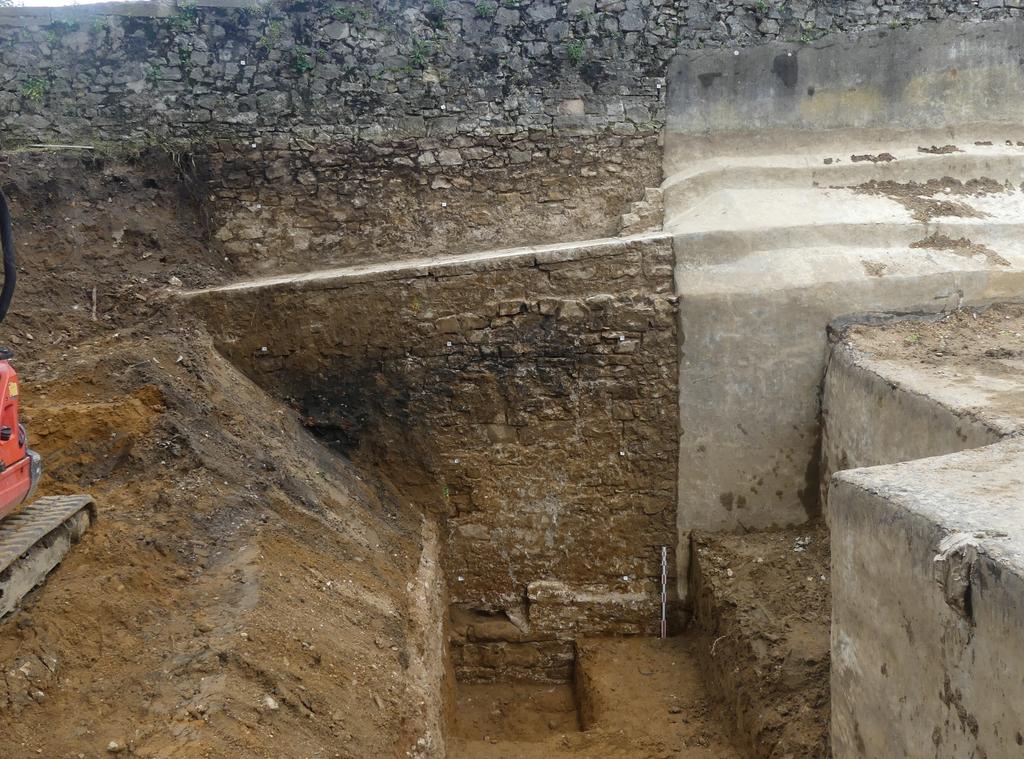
<point x="33" y="542"/>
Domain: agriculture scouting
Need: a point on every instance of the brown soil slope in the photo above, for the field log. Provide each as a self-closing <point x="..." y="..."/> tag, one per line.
<point x="245" y="592"/>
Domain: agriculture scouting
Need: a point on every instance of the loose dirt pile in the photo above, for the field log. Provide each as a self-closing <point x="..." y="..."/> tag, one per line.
<point x="244" y="592"/>
<point x="962" y="246"/>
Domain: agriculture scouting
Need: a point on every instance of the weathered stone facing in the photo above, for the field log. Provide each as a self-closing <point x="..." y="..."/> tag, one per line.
<point x="531" y="399"/>
<point x="280" y="208"/>
<point x="339" y="132"/>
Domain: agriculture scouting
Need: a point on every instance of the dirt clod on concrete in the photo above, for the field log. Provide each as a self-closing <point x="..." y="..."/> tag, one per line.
<point x="962" y="246"/>
<point x="872" y="158"/>
<point x="922" y="201"/>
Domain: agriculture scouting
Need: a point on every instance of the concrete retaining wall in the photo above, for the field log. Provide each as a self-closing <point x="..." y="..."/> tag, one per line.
<point x="763" y="269"/>
<point x="752" y="367"/>
<point x="928" y="607"/>
<point x="927" y="556"/>
<point x="907" y="78"/>
<point x="869" y="419"/>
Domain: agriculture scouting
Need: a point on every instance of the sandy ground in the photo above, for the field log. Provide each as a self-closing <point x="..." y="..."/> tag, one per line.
<point x="635" y="698"/>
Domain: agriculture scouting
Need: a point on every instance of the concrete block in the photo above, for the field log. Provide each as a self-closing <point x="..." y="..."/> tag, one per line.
<point x="876" y="412"/>
<point x="928" y="607"/>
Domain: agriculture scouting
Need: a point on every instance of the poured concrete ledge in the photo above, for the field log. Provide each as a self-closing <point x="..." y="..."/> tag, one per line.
<point x="874" y="413"/>
<point x="927" y="555"/>
<point x="928" y="607"/>
<point x="444" y="266"/>
<point x="881" y="405"/>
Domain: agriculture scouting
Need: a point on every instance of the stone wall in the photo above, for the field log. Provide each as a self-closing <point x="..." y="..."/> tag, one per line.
<point x="529" y="398"/>
<point x="385" y="69"/>
<point x="291" y="206"/>
<point x="336" y="132"/>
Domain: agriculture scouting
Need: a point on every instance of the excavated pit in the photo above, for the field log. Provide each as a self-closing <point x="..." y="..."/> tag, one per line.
<point x="416" y="507"/>
<point x="526" y="400"/>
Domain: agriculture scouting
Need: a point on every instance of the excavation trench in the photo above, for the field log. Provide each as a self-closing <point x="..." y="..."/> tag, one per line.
<point x="528" y="404"/>
<point x="523" y="434"/>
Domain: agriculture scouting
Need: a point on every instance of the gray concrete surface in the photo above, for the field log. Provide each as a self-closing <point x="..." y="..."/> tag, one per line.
<point x="878" y="411"/>
<point x="825" y="160"/>
<point x="753" y="360"/>
<point x="938" y="75"/>
<point x="775" y="235"/>
<point x="928" y="607"/>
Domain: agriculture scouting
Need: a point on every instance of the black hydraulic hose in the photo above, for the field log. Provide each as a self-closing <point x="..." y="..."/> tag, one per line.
<point x="7" y="241"/>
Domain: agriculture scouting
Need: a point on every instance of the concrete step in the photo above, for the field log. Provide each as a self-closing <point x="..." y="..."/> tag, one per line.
<point x="739" y="209"/>
<point x="766" y="173"/>
<point x="721" y="247"/>
<point x="785" y="269"/>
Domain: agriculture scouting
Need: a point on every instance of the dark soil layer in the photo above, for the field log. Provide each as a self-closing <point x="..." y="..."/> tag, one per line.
<point x="969" y="337"/>
<point x="762" y="611"/>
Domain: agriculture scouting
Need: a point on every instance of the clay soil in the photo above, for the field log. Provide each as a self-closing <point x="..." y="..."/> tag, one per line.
<point x="762" y="617"/>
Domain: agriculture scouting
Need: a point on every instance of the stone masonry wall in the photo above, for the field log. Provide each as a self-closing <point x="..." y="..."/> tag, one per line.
<point x="385" y="69"/>
<point x="285" y="206"/>
<point x="530" y="400"/>
<point x="336" y="132"/>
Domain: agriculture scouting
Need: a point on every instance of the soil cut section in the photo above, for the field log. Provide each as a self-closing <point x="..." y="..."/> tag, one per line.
<point x="245" y="591"/>
<point x="762" y="614"/>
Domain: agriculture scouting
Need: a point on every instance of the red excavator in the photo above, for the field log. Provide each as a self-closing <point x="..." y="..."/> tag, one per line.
<point x="35" y="536"/>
